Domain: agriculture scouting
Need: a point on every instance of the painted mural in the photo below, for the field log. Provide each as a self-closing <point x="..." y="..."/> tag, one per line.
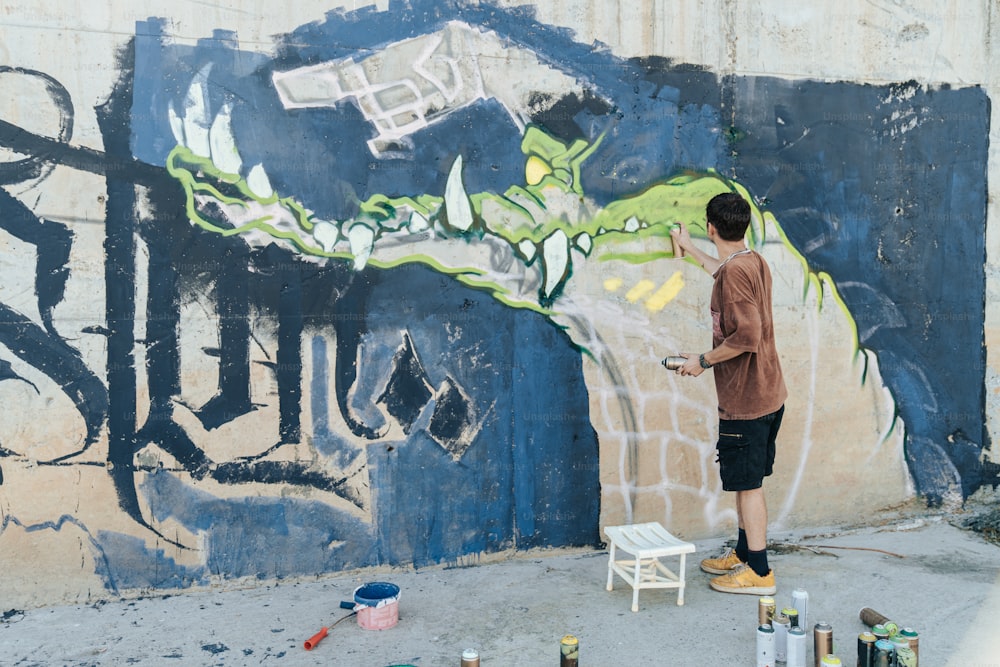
<point x="394" y="292"/>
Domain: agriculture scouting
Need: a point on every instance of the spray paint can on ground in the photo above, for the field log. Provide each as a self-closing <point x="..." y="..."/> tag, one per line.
<point x="569" y="651"/>
<point x="914" y="639"/>
<point x="880" y="631"/>
<point x="885" y="654"/>
<point x="765" y="610"/>
<point x="765" y="645"/>
<point x="781" y="626"/>
<point x="830" y="660"/>
<point x="793" y="616"/>
<point x="795" y="653"/>
<point x="470" y="658"/>
<point x="905" y="657"/>
<point x="822" y="641"/>
<point x="800" y="600"/>
<point x="866" y="649"/>
<point x="871" y="618"/>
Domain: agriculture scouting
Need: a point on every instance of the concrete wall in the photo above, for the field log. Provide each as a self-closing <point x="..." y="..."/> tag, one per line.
<point x="289" y="291"/>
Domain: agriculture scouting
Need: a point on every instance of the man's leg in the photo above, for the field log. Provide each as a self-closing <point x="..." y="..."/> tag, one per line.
<point x="751" y="508"/>
<point x="731" y="558"/>
<point x="741" y="536"/>
<point x="746" y="457"/>
<point x="756" y="578"/>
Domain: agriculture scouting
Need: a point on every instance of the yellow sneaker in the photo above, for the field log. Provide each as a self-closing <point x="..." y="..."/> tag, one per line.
<point x="744" y="580"/>
<point x="724" y="564"/>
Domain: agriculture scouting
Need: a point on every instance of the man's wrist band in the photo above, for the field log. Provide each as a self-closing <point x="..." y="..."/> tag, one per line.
<point x="704" y="364"/>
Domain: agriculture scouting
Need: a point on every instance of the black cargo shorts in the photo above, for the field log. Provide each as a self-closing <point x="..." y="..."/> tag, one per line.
<point x="746" y="450"/>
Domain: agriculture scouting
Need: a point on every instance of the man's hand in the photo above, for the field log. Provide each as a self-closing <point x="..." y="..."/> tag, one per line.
<point x="681" y="237"/>
<point x="692" y="366"/>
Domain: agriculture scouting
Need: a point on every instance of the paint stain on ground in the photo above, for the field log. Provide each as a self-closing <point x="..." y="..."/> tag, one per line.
<point x="12" y="615"/>
<point x="986" y="524"/>
<point x="215" y="649"/>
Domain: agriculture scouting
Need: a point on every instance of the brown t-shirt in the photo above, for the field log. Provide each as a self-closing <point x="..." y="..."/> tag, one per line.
<point x="750" y="385"/>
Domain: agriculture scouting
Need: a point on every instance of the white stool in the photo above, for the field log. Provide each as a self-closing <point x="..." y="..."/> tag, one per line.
<point x="648" y="542"/>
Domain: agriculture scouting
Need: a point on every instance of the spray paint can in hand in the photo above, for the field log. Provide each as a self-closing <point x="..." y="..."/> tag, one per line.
<point x="677" y="250"/>
<point x="765" y="646"/>
<point x="470" y="658"/>
<point x="822" y="641"/>
<point x="800" y="600"/>
<point x="673" y="363"/>
<point x="795" y="652"/>
<point x="569" y="651"/>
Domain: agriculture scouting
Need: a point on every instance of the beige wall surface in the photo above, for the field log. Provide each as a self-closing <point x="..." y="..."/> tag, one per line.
<point x="292" y="290"/>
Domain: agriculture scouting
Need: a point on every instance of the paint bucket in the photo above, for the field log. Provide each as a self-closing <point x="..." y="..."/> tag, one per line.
<point x="377" y="605"/>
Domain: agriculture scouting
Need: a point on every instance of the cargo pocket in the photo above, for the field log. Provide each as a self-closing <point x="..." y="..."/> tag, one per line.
<point x="733" y="463"/>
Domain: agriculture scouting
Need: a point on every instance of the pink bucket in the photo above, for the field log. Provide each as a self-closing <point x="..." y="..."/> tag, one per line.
<point x="377" y="605"/>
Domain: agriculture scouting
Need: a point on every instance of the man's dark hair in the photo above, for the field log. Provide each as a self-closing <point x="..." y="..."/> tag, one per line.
<point x="730" y="213"/>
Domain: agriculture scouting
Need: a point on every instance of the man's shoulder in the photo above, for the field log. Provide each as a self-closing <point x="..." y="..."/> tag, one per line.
<point x="749" y="264"/>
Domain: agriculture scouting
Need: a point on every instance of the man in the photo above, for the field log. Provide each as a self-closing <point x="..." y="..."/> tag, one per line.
<point x="749" y="384"/>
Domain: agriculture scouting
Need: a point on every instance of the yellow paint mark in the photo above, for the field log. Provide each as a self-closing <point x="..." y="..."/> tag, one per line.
<point x="641" y="289"/>
<point x="613" y="284"/>
<point x="535" y="170"/>
<point x="667" y="292"/>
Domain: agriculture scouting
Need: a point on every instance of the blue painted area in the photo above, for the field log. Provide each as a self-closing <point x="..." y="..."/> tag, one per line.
<point x="122" y="561"/>
<point x="262" y="536"/>
<point x="164" y="71"/>
<point x="127" y="563"/>
<point x="56" y="525"/>
<point x="326" y="442"/>
<point x="898" y="218"/>
<point x="530" y="477"/>
<point x="555" y="458"/>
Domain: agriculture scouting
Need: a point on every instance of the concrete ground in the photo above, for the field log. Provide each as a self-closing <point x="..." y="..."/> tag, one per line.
<point x="924" y="572"/>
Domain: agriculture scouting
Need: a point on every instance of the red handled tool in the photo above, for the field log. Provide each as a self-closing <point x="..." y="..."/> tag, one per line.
<point x="311" y="643"/>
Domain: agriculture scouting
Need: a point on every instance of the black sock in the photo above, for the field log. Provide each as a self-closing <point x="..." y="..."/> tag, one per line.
<point x="741" y="546"/>
<point x="757" y="560"/>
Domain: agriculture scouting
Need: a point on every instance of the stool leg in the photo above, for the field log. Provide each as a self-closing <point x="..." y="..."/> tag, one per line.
<point x="611" y="571"/>
<point x="680" y="587"/>
<point x="635" y="584"/>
